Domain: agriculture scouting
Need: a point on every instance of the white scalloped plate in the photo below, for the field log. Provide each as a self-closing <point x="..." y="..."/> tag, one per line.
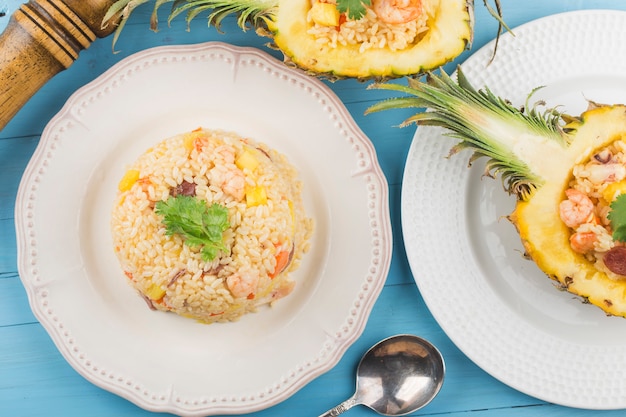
<point x="161" y="361"/>
<point x="466" y="258"/>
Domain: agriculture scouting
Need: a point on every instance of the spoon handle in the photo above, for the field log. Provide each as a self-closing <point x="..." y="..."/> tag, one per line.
<point x="341" y="408"/>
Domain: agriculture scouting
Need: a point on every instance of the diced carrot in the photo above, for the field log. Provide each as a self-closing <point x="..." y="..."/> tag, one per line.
<point x="342" y="19"/>
<point x="161" y="301"/>
<point x="282" y="259"/>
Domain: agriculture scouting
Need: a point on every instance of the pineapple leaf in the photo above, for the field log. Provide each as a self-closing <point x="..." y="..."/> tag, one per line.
<point x="254" y="12"/>
<point x="508" y="136"/>
<point x="248" y="12"/>
<point x="154" y="19"/>
<point x="123" y="10"/>
<point x="497" y="14"/>
<point x="617" y="217"/>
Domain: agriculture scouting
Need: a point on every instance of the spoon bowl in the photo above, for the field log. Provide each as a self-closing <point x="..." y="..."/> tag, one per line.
<point x="398" y="375"/>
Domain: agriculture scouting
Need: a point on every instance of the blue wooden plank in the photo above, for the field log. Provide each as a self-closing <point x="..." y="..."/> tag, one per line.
<point x="14" y="155"/>
<point x="14" y="307"/>
<point x="8" y="251"/>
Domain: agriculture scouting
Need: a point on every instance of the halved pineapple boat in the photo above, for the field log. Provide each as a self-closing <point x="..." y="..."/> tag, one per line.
<point x="341" y="38"/>
<point x="568" y="173"/>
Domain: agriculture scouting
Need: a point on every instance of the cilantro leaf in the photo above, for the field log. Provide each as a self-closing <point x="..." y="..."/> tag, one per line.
<point x="354" y="9"/>
<point x="617" y="216"/>
<point x="200" y="225"/>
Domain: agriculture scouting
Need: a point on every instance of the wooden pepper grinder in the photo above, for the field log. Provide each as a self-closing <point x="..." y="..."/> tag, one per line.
<point x="43" y="38"/>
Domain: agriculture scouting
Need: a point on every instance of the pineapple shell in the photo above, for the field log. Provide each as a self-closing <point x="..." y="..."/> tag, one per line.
<point x="534" y="153"/>
<point x="546" y="238"/>
<point x="450" y="33"/>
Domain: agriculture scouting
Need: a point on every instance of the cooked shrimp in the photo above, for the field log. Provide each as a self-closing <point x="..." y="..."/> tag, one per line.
<point x="397" y="11"/>
<point x="243" y="284"/>
<point x="230" y="179"/>
<point x="577" y="209"/>
<point x="583" y="242"/>
<point x="225" y="154"/>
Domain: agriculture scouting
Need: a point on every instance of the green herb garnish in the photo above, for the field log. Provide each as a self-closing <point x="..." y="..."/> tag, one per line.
<point x="199" y="224"/>
<point x="617" y="216"/>
<point x="354" y="9"/>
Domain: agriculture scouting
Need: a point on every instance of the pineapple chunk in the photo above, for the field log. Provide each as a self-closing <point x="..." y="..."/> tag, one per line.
<point x="614" y="189"/>
<point x="292" y="212"/>
<point x="247" y="159"/>
<point x="256" y="196"/>
<point x="325" y="14"/>
<point x="188" y="141"/>
<point x="155" y="292"/>
<point x="130" y="177"/>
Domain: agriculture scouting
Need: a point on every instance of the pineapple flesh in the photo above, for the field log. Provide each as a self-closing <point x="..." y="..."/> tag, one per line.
<point x="535" y="154"/>
<point x="318" y="35"/>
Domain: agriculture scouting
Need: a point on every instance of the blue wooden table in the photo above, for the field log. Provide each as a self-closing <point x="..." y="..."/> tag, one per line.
<point x="35" y="380"/>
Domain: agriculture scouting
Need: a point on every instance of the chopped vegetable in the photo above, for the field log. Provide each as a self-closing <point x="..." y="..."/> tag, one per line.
<point x="355" y="9"/>
<point x="200" y="225"/>
<point x="617" y="216"/>
<point x="325" y="14"/>
<point x="130" y="177"/>
<point x="292" y="212"/>
<point x="256" y="196"/>
<point x="247" y="159"/>
<point x="282" y="260"/>
<point x="613" y="190"/>
<point x="189" y="140"/>
<point x="155" y="292"/>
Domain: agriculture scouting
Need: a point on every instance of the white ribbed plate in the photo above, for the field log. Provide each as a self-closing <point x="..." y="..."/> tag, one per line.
<point x="466" y="258"/>
<point x="161" y="361"/>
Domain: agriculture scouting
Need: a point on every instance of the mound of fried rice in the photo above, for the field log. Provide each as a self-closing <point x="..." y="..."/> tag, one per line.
<point x="263" y="196"/>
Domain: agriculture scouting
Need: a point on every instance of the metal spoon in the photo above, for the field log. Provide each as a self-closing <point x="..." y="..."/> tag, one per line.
<point x="396" y="376"/>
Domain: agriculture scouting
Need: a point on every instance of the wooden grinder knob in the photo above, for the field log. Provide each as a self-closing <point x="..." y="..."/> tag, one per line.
<point x="44" y="37"/>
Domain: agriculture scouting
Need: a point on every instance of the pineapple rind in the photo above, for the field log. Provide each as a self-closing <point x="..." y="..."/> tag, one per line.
<point x="545" y="236"/>
<point x="450" y="34"/>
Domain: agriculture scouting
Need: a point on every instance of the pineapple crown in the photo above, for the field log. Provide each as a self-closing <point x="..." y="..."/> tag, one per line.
<point x="482" y="121"/>
<point x="250" y="13"/>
